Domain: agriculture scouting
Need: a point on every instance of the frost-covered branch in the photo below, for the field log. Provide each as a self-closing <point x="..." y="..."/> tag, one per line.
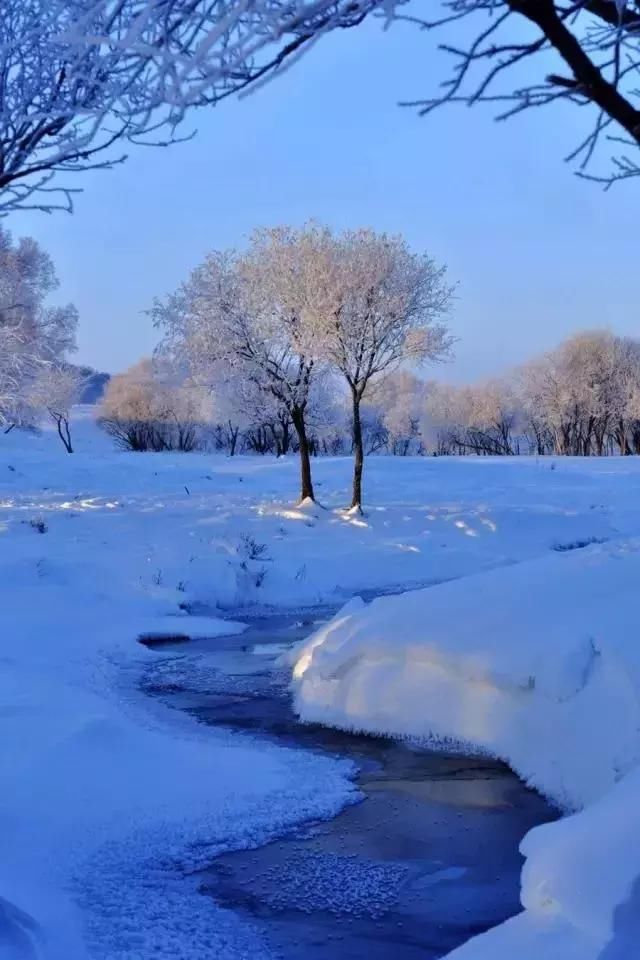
<point x="585" y="52"/>
<point x="82" y="79"/>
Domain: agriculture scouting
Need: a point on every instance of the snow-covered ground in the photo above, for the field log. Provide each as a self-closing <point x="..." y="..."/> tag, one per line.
<point x="108" y="800"/>
<point x="538" y="664"/>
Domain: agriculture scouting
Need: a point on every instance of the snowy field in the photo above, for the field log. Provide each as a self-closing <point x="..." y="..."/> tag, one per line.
<point x="524" y="649"/>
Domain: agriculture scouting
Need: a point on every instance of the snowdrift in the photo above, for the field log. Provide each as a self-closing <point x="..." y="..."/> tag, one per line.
<point x="538" y="664"/>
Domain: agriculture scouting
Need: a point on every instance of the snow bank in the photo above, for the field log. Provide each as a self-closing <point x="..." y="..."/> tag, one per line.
<point x="538" y="664"/>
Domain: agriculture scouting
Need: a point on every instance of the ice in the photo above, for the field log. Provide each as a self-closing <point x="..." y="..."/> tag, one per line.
<point x="309" y="881"/>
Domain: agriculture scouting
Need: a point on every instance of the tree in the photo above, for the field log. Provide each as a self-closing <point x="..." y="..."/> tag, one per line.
<point x="83" y="79"/>
<point x="386" y="311"/>
<point x="441" y="418"/>
<point x="576" y="391"/>
<point x="626" y="415"/>
<point x="259" y="313"/>
<point x="479" y="418"/>
<point x="33" y="334"/>
<point x="56" y="388"/>
<point x="493" y="418"/>
<point x="400" y="397"/>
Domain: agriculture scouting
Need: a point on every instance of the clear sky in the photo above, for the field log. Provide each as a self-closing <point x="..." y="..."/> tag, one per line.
<point x="537" y="253"/>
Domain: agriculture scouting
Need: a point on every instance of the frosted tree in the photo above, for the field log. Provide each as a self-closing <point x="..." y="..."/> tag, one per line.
<point x="236" y="403"/>
<point x="55" y="390"/>
<point x="261" y="314"/>
<point x="33" y="334"/>
<point x="530" y="383"/>
<point x="626" y="413"/>
<point x="482" y="418"/>
<point x="443" y="417"/>
<point x="242" y="410"/>
<point x="533" y="54"/>
<point x="575" y="391"/>
<point x="494" y="417"/>
<point x="328" y="414"/>
<point x="389" y="309"/>
<point x="401" y="398"/>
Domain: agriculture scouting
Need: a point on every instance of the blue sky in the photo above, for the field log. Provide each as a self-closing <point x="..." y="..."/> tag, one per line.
<point x="536" y="252"/>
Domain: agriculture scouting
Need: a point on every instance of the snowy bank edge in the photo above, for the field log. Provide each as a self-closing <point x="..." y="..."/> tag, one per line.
<point x="397" y="666"/>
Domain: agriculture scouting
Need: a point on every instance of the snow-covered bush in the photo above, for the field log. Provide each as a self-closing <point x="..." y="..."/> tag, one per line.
<point x="141" y="411"/>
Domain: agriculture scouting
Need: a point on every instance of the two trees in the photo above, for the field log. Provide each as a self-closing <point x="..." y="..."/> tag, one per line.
<point x="299" y="306"/>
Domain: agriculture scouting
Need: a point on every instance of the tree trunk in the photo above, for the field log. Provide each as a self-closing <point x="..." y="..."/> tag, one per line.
<point x="621" y="437"/>
<point x="233" y="439"/>
<point x="276" y="440"/>
<point x="306" y="486"/>
<point x="358" y="454"/>
<point x="286" y="439"/>
<point x="64" y="433"/>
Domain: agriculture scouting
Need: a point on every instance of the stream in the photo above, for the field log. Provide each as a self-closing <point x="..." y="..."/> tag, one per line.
<point x="428" y="859"/>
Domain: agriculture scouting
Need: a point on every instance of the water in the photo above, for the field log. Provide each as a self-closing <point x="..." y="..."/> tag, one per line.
<point x="428" y="859"/>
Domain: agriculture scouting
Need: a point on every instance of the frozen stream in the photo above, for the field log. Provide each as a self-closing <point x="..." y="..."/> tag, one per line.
<point x="426" y="860"/>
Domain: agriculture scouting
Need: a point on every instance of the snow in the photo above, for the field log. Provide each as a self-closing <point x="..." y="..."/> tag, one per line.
<point x="109" y="801"/>
<point x="538" y="664"/>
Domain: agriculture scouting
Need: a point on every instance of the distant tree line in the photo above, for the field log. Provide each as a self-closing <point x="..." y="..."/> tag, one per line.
<point x="581" y="399"/>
